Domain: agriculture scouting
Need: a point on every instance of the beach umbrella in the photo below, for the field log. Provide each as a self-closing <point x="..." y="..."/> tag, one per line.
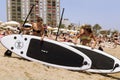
<point x="55" y="28"/>
<point x="62" y="29"/>
<point x="12" y="23"/>
<point x="65" y="31"/>
<point x="72" y="31"/>
<point x="3" y="24"/>
<point x="49" y="28"/>
<point x="10" y="27"/>
<point x="55" y="31"/>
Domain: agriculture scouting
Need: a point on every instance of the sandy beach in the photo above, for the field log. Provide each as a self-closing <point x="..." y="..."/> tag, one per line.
<point x="17" y="68"/>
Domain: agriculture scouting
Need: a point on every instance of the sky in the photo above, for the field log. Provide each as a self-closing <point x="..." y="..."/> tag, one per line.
<point x="3" y="14"/>
<point x="106" y="13"/>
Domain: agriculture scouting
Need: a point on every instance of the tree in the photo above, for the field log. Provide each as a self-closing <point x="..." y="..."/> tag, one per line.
<point x="70" y="26"/>
<point x="62" y="26"/>
<point x="115" y="31"/>
<point x="96" y="29"/>
<point x="104" y="32"/>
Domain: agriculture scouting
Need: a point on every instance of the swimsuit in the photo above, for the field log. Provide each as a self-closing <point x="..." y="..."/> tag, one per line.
<point x="86" y="38"/>
<point x="38" y="31"/>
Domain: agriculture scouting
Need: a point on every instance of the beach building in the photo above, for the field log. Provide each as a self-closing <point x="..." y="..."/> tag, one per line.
<point x="49" y="10"/>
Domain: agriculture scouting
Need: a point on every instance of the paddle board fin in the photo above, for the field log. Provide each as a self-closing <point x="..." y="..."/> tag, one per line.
<point x="116" y="65"/>
<point x="8" y="53"/>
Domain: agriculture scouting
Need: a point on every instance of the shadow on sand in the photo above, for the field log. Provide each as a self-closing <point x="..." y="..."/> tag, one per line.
<point x="109" y="76"/>
<point x="105" y="75"/>
<point x="20" y="58"/>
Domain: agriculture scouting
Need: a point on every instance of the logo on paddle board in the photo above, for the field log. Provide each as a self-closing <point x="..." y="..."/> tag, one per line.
<point x="44" y="51"/>
<point x="19" y="44"/>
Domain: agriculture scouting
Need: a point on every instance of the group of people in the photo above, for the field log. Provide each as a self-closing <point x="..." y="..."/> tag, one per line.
<point x="85" y="36"/>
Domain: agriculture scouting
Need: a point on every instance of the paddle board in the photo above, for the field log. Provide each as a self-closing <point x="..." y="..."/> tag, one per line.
<point x="49" y="52"/>
<point x="101" y="62"/>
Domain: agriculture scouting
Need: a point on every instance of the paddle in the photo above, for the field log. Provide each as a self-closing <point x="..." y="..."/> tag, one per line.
<point x="8" y="52"/>
<point x="27" y="17"/>
<point x="60" y="24"/>
<point x="41" y="41"/>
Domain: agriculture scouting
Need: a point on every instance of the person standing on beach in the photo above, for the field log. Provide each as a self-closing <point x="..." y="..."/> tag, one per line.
<point x="38" y="28"/>
<point x="86" y="36"/>
<point x="116" y="39"/>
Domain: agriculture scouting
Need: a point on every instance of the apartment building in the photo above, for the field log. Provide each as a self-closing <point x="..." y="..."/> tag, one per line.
<point x="49" y="10"/>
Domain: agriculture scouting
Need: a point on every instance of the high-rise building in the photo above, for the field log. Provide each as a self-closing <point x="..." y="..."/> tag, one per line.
<point x="49" y="10"/>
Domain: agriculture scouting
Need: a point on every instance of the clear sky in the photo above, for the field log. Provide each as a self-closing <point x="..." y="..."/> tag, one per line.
<point x="103" y="12"/>
<point x="3" y="14"/>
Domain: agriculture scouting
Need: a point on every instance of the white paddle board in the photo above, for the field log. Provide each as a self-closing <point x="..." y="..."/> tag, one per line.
<point x="48" y="52"/>
<point x="101" y="62"/>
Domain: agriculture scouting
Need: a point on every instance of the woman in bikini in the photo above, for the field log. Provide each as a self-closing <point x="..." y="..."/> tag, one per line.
<point x="86" y="36"/>
<point x="38" y="29"/>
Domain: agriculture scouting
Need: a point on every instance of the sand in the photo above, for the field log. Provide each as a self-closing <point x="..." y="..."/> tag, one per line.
<point x="17" y="68"/>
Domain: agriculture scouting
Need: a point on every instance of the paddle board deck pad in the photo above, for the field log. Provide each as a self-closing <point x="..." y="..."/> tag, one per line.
<point x="101" y="61"/>
<point x="49" y="52"/>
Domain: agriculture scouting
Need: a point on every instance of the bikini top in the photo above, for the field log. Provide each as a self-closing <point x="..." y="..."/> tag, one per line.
<point x="38" y="31"/>
<point x="88" y="38"/>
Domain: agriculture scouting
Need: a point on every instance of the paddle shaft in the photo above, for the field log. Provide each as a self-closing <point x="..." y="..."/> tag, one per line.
<point x="59" y="24"/>
<point x="27" y="17"/>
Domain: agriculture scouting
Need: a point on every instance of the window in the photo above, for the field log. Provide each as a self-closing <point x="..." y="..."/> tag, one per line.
<point x="53" y="3"/>
<point x="18" y="9"/>
<point x="18" y="0"/>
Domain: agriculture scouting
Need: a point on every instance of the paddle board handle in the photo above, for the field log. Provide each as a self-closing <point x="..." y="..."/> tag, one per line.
<point x="85" y="63"/>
